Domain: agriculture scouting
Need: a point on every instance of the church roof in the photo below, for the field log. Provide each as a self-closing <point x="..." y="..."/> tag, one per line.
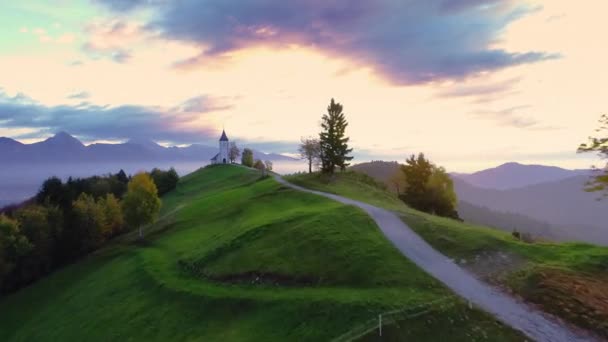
<point x="215" y="158"/>
<point x="223" y="137"/>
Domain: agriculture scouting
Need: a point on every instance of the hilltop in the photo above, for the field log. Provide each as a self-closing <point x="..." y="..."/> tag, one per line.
<point x="240" y="257"/>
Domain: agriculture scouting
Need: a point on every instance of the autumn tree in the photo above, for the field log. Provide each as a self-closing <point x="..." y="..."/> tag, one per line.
<point x="334" y="150"/>
<point x="310" y="150"/>
<point x="247" y="157"/>
<point x="599" y="145"/>
<point x="141" y="204"/>
<point x="234" y="152"/>
<point x="113" y="219"/>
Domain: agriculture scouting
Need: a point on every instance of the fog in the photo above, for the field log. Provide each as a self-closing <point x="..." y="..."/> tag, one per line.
<point x="19" y="181"/>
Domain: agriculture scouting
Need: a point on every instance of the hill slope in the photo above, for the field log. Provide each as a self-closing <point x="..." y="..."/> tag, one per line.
<point x="235" y="257"/>
<point x="569" y="280"/>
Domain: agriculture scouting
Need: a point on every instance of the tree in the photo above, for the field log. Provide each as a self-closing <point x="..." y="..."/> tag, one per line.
<point x="13" y="245"/>
<point x="268" y="164"/>
<point x="441" y="195"/>
<point x="398" y="182"/>
<point x="121" y="176"/>
<point x="417" y="171"/>
<point x="34" y="223"/>
<point x="599" y="182"/>
<point x="88" y="221"/>
<point x="165" y="181"/>
<point x="234" y="152"/>
<point x="333" y="142"/>
<point x="141" y="204"/>
<point x="260" y="166"/>
<point x="52" y="190"/>
<point x="310" y="150"/>
<point x="428" y="188"/>
<point x="247" y="157"/>
<point x="113" y="219"/>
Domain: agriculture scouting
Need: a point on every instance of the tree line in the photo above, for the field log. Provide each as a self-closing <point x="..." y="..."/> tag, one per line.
<point x="66" y="220"/>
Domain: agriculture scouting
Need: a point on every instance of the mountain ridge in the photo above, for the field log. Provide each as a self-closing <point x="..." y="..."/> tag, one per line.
<point x="66" y="148"/>
<point x="513" y="175"/>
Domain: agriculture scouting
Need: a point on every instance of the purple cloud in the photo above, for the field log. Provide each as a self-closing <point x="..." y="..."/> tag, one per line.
<point x="406" y="41"/>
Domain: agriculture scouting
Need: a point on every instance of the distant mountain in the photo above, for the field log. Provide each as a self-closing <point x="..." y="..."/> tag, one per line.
<point x="380" y="170"/>
<point x="561" y="203"/>
<point x="515" y="175"/>
<point x="510" y="222"/>
<point x="65" y="148"/>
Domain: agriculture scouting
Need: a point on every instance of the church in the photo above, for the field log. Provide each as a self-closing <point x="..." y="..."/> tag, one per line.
<point x="223" y="156"/>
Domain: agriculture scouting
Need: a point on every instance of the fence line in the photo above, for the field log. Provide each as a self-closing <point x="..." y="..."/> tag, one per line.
<point x="388" y="318"/>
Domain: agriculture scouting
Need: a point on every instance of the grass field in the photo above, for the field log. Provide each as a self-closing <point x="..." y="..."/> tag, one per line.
<point x="238" y="258"/>
<point x="569" y="280"/>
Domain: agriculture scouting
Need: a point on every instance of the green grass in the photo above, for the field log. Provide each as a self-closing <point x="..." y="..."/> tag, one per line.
<point x="567" y="279"/>
<point x="239" y="258"/>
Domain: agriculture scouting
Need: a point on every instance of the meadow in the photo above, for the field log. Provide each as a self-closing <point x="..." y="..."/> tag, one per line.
<point x="238" y="257"/>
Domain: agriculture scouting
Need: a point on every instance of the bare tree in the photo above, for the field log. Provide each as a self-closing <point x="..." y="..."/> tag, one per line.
<point x="268" y="165"/>
<point x="310" y="150"/>
<point x="234" y="153"/>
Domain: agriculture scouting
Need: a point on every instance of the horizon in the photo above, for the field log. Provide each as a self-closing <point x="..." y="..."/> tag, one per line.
<point x="291" y="156"/>
<point x="471" y="84"/>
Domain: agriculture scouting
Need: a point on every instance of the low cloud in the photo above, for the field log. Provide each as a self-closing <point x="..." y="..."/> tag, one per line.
<point x="479" y="90"/>
<point x="79" y="96"/>
<point x="514" y="117"/>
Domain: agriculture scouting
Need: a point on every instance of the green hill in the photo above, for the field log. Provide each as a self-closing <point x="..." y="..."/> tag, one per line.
<point x="569" y="280"/>
<point x="238" y="258"/>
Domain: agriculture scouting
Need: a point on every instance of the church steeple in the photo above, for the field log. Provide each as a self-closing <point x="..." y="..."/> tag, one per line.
<point x="224" y="137"/>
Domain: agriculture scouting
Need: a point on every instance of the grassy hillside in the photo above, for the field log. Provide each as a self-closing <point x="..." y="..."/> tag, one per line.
<point x="566" y="279"/>
<point x="239" y="258"/>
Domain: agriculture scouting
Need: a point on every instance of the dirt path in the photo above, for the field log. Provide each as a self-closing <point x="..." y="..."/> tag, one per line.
<point x="505" y="308"/>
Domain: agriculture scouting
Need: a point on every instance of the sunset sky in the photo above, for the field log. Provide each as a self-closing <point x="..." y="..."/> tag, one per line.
<point x="471" y="83"/>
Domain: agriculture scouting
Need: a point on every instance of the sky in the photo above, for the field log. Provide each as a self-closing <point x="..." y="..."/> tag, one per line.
<point x="471" y="83"/>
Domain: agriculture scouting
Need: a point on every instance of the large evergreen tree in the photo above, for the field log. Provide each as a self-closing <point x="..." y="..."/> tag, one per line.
<point x="333" y="141"/>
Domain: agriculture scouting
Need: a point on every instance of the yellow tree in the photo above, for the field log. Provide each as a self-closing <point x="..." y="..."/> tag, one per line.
<point x="141" y="204"/>
<point x="114" y="220"/>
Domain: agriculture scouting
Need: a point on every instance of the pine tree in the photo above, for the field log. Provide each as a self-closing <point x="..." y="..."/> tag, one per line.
<point x="333" y="142"/>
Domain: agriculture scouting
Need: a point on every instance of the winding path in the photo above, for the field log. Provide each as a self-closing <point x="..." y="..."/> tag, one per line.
<point x="503" y="307"/>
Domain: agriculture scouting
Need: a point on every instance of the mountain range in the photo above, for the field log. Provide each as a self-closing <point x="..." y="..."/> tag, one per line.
<point x="546" y="201"/>
<point x="62" y="147"/>
<point x="515" y="175"/>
